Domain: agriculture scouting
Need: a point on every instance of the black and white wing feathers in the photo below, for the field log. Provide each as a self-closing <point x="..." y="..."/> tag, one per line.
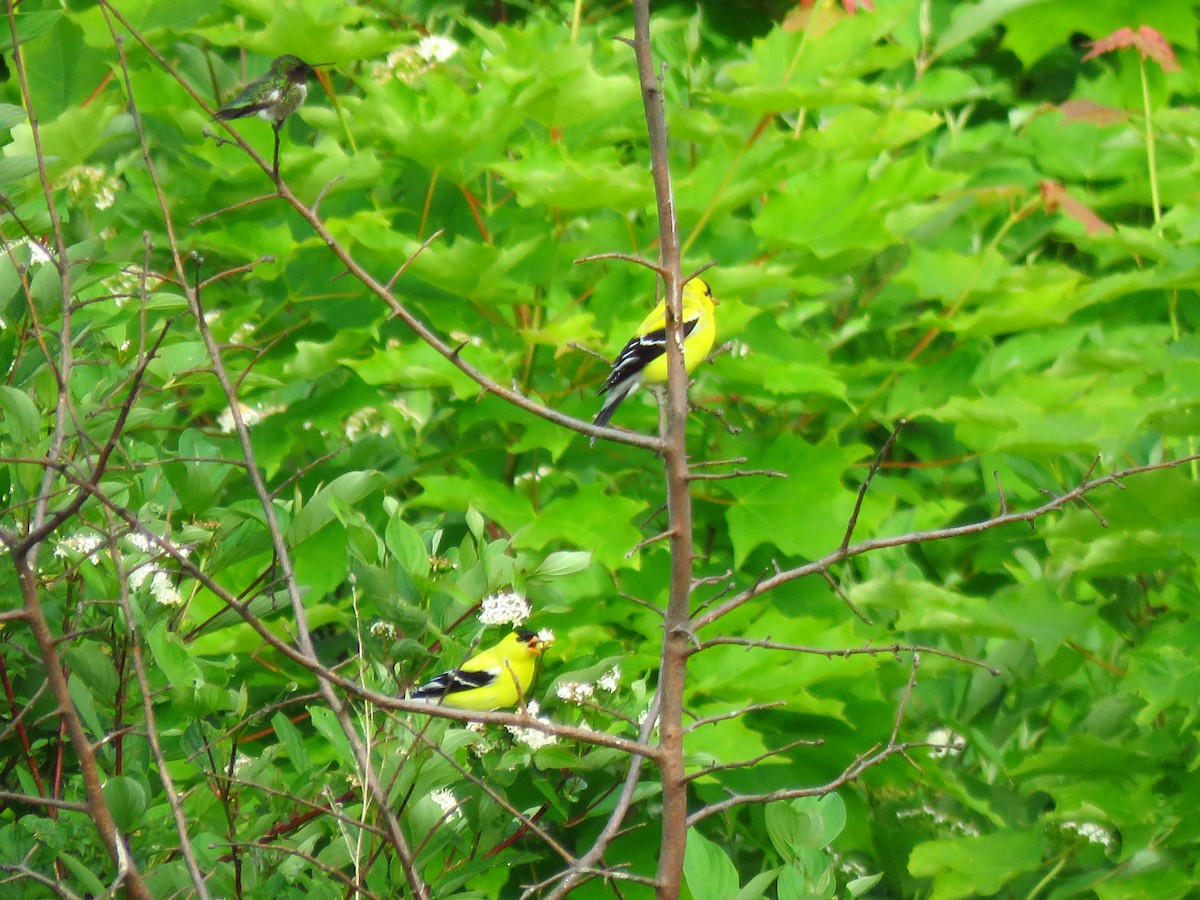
<point x="626" y="374"/>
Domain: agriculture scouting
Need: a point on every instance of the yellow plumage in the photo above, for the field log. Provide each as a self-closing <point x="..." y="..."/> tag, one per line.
<point x="643" y="360"/>
<point x="496" y="678"/>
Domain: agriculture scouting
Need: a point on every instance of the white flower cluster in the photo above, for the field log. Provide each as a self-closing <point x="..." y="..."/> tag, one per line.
<point x="162" y="588"/>
<point x="82" y="544"/>
<point x="610" y="681"/>
<point x="507" y="607"/>
<point x="383" y="630"/>
<point x="125" y="284"/>
<point x="409" y="63"/>
<point x="952" y="744"/>
<point x="533" y="738"/>
<point x="940" y="818"/>
<point x="1095" y="834"/>
<point x="251" y="415"/>
<point x="575" y="691"/>
<point x="536" y="475"/>
<point x="39" y="253"/>
<point x="583" y="691"/>
<point x="435" y="48"/>
<point x="366" y="421"/>
<point x="444" y="799"/>
<point x="93" y="182"/>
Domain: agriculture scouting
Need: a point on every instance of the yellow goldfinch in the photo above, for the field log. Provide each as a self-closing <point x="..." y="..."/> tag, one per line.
<point x="644" y="361"/>
<point x="496" y="678"/>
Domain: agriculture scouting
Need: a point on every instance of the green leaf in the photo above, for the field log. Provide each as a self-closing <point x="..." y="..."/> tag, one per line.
<point x="707" y="870"/>
<point x="126" y="800"/>
<point x="976" y="866"/>
<point x="325" y="721"/>
<point x="290" y="736"/>
<point x="172" y="658"/>
<point x="560" y="564"/>
<point x="811" y="500"/>
<point x="973" y="20"/>
<point x="348" y="489"/>
<point x="407" y="546"/>
<point x="21" y="418"/>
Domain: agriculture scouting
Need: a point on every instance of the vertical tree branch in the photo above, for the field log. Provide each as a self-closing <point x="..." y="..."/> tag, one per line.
<point x="677" y="634"/>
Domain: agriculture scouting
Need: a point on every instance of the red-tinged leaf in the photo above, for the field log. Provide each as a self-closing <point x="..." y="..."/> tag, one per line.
<point x="1155" y="46"/>
<point x="1056" y="199"/>
<point x="1118" y="40"/>
<point x="1149" y="42"/>
<point x="1093" y="113"/>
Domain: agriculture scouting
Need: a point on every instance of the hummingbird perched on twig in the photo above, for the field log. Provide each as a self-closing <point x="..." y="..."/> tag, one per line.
<point x="274" y="96"/>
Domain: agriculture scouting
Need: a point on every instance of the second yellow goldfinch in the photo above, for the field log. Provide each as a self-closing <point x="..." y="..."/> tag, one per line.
<point x="496" y="678"/>
<point x="644" y="361"/>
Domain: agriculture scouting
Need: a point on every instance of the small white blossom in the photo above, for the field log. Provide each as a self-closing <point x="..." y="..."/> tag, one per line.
<point x="533" y="738"/>
<point x="366" y="421"/>
<point x="385" y="630"/>
<point x="138" y="541"/>
<point x="83" y="544"/>
<point x="940" y="818"/>
<point x="610" y="681"/>
<point x="38" y="253"/>
<point x="163" y="589"/>
<point x="481" y="746"/>
<point x="952" y="744"/>
<point x="434" y="48"/>
<point x="251" y="415"/>
<point x="1095" y="834"/>
<point x="575" y="691"/>
<point x="536" y="475"/>
<point x="139" y="575"/>
<point x="545" y="637"/>
<point x="507" y="607"/>
<point x="444" y="799"/>
<point x="124" y="285"/>
<point x="94" y="182"/>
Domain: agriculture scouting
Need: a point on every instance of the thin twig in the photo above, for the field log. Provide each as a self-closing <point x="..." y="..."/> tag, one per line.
<point x="754" y="760"/>
<point x="862" y="491"/>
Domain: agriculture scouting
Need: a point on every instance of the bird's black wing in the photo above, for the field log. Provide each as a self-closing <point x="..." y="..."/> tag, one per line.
<point x="453" y="682"/>
<point x="640" y="352"/>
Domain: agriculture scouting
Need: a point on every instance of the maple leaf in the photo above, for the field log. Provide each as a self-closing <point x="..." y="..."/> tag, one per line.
<point x="1149" y="42"/>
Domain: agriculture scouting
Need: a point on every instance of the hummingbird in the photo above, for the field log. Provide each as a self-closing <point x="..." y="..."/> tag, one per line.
<point x="274" y="96"/>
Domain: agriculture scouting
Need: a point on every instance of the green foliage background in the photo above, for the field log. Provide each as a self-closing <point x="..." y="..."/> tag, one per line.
<point x="874" y="192"/>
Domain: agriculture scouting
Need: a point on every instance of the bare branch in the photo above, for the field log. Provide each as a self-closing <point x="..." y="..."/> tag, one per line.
<point x="625" y="257"/>
<point x="844" y="597"/>
<point x="862" y="491"/>
<point x="47" y="802"/>
<point x="831" y="652"/>
<point x="736" y="473"/>
<point x="754" y="760"/>
<point x="734" y="713"/>
<point x="641" y="545"/>
<point x="937" y="534"/>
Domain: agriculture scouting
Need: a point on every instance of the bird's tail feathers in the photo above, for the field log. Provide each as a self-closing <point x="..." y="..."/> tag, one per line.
<point x="615" y="398"/>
